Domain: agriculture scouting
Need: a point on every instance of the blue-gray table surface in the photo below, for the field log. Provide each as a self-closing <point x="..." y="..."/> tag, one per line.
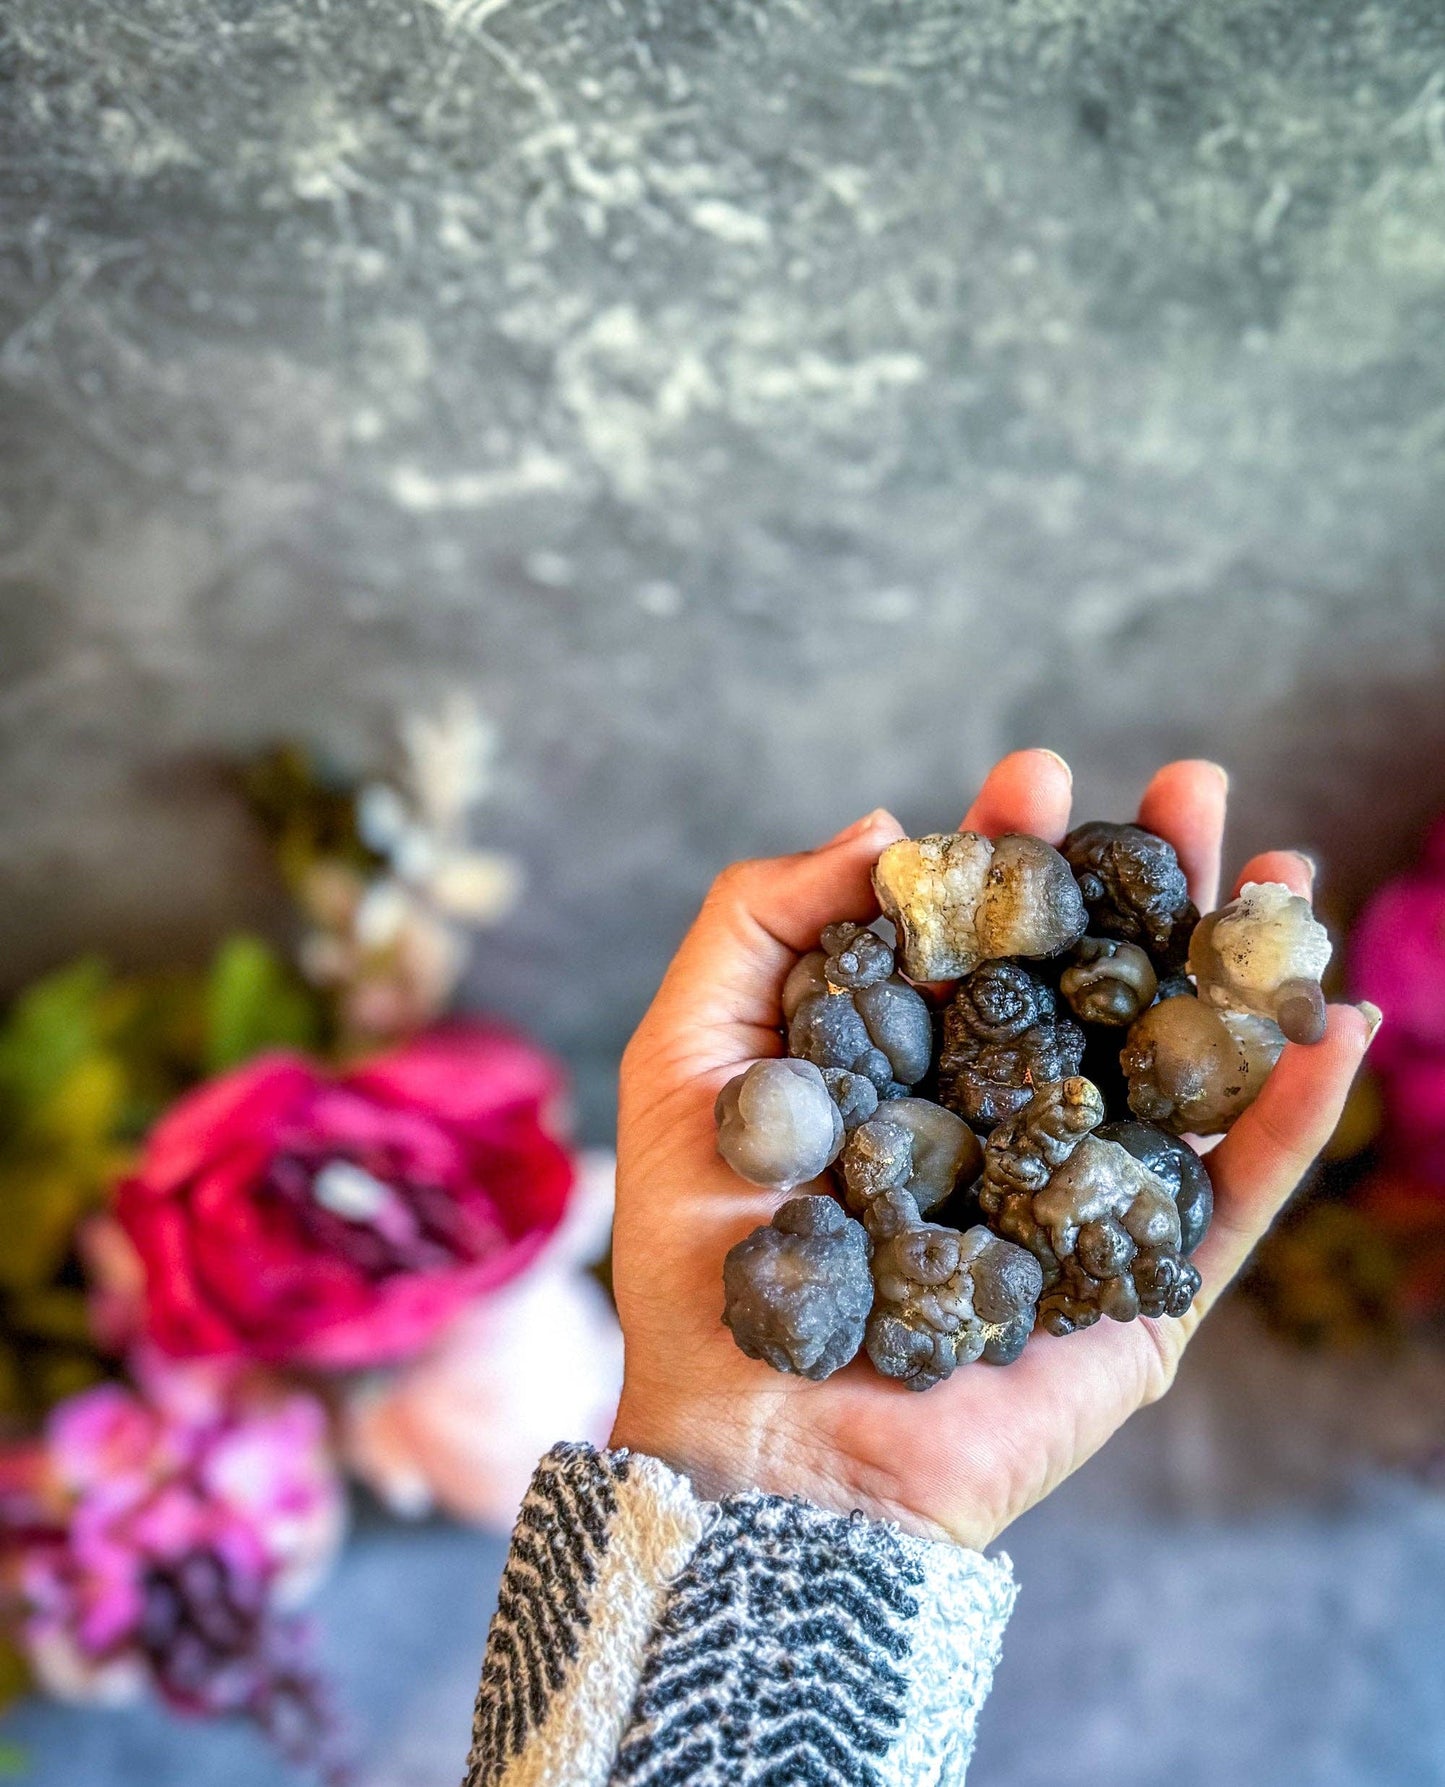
<point x="1231" y="1593"/>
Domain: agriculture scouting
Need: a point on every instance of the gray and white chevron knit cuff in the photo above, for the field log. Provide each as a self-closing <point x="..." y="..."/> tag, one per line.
<point x="646" y="1637"/>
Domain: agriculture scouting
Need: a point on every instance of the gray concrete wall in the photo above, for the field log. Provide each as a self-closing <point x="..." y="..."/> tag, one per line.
<point x="767" y="410"/>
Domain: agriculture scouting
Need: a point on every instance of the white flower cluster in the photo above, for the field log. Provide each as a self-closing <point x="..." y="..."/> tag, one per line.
<point x="393" y="945"/>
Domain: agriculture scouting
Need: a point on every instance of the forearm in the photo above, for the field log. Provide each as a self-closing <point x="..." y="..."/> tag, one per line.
<point x="644" y="1635"/>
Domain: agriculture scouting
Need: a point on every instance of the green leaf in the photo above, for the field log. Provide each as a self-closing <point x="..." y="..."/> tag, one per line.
<point x="76" y="1120"/>
<point x="40" y="1205"/>
<point x="59" y="1314"/>
<point x="255" y="1002"/>
<point x="14" y="1403"/>
<point x="51" y="1027"/>
<point x="15" y="1680"/>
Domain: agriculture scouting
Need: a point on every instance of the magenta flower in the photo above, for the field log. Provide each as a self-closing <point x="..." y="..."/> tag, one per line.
<point x="284" y="1214"/>
<point x="1397" y="958"/>
<point x="169" y="1534"/>
<point x="1397" y="953"/>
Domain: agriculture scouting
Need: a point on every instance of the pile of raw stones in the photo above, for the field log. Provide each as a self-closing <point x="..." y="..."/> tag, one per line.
<point x="990" y="1115"/>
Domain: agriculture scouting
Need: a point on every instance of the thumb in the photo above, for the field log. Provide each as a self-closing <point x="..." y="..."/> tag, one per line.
<point x="759" y="916"/>
<point x="1268" y="1151"/>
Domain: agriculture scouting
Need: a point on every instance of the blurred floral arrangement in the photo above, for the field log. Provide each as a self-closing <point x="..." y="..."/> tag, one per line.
<point x="1360" y="1255"/>
<point x="274" y="1224"/>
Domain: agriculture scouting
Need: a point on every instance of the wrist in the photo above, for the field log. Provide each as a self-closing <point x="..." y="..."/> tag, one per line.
<point x="719" y="1450"/>
<point x="732" y="1447"/>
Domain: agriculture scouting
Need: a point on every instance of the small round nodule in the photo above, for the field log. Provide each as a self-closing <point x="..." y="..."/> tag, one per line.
<point x="1007" y="1282"/>
<point x="1007" y="1341"/>
<point x="1300" y="1010"/>
<point x="1104" y="1249"/>
<point x="854" y="1094"/>
<point x="778" y="1124"/>
<point x="854" y="956"/>
<point x="1108" y="981"/>
<point x="930" y="1253"/>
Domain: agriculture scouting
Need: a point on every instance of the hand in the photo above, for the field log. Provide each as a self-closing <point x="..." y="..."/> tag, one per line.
<point x="963" y="1459"/>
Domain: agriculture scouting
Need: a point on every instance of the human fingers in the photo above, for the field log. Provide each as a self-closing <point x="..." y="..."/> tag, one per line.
<point x="1272" y="1145"/>
<point x="758" y="917"/>
<point x="1027" y="791"/>
<point x="1291" y="867"/>
<point x="1184" y="803"/>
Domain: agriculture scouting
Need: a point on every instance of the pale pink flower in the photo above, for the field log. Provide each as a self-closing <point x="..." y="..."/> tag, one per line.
<point x="538" y="1361"/>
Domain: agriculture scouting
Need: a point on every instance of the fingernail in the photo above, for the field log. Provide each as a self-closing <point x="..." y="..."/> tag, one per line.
<point x="1309" y="859"/>
<point x="1373" y="1017"/>
<point x="1057" y="759"/>
<point x="869" y="822"/>
<point x="1220" y="771"/>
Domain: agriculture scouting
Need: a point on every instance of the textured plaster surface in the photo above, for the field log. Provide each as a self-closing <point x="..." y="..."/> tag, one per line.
<point x="767" y="410"/>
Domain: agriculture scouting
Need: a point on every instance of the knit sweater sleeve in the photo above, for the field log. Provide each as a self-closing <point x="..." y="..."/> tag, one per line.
<point x="646" y="1637"/>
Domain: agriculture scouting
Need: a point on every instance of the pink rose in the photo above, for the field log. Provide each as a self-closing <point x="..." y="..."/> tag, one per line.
<point x="1397" y="958"/>
<point x="1397" y="955"/>
<point x="461" y="1426"/>
<point x="297" y="1217"/>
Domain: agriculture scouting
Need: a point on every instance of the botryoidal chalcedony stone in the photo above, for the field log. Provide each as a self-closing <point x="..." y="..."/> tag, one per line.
<point x="911" y="1145"/>
<point x="945" y="1298"/>
<point x="798" y="1291"/>
<point x="845" y="1007"/>
<point x="961" y="898"/>
<point x="1194" y="1069"/>
<point x="1002" y="1036"/>
<point x="1105" y="1227"/>
<point x="1264" y="953"/>
<point x="777" y="1124"/>
<point x="1090" y="1202"/>
<point x="1133" y="887"/>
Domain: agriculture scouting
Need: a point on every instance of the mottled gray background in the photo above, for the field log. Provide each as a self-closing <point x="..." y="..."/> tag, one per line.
<point x="769" y="410"/>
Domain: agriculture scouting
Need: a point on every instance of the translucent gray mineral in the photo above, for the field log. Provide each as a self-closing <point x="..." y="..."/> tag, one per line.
<point x="777" y="1124"/>
<point x="1264" y="953"/>
<point x="959" y="898"/>
<point x="911" y="1145"/>
<point x="1106" y="1229"/>
<point x="1134" y="888"/>
<point x="846" y="1007"/>
<point x="1192" y="1067"/>
<point x="1003" y="1035"/>
<point x="1108" y="981"/>
<point x="1023" y="1152"/>
<point x="945" y="1298"/>
<point x="1175" y="1161"/>
<point x="798" y="1291"/>
<point x="854" y="956"/>
<point x="854" y="1094"/>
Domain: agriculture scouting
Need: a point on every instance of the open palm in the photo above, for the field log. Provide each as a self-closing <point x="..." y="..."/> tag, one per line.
<point x="967" y="1457"/>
